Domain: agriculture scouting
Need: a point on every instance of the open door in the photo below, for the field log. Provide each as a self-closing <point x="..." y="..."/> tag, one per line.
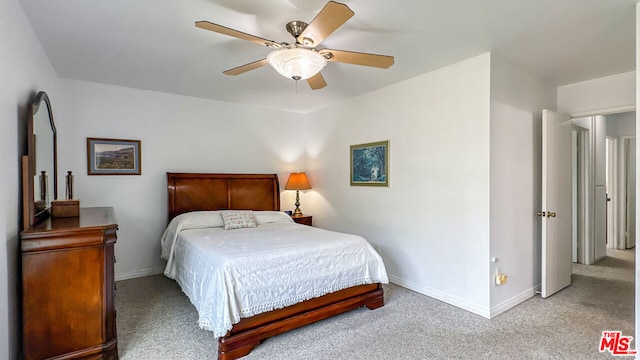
<point x="556" y="202"/>
<point x="630" y="186"/>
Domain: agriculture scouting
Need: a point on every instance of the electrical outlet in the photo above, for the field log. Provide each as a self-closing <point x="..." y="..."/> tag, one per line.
<point x="501" y="279"/>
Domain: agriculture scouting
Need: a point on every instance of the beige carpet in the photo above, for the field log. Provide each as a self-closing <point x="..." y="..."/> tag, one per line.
<point x="157" y="321"/>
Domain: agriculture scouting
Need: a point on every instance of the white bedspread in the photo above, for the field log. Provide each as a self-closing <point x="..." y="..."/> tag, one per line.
<point x="234" y="274"/>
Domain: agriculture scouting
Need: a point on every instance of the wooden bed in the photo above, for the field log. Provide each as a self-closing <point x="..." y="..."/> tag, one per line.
<point x="193" y="192"/>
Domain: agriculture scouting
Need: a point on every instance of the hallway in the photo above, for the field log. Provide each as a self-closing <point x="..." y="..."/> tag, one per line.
<point x="608" y="289"/>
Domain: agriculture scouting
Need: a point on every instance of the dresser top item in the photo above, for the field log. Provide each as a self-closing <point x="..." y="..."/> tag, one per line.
<point x="91" y="218"/>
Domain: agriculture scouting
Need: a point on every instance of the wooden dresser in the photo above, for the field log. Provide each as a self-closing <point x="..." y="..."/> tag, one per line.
<point x="68" y="287"/>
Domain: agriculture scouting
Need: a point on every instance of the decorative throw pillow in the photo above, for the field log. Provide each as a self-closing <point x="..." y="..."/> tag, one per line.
<point x="237" y="219"/>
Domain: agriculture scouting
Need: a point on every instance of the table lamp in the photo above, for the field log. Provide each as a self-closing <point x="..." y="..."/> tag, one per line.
<point x="297" y="182"/>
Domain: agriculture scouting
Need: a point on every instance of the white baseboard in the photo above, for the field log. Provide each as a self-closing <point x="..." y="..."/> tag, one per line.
<point x="447" y="298"/>
<point x="509" y="303"/>
<point x="138" y="273"/>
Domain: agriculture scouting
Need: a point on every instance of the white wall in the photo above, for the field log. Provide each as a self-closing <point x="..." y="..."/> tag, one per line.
<point x="178" y="134"/>
<point x="623" y="124"/>
<point x="24" y="69"/>
<point x="611" y="93"/>
<point x="432" y="222"/>
<point x="517" y="100"/>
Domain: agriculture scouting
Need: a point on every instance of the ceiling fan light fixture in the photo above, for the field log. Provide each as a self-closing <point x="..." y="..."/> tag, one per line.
<point x="297" y="63"/>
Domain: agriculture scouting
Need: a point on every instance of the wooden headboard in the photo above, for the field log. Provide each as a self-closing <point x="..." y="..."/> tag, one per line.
<point x="193" y="192"/>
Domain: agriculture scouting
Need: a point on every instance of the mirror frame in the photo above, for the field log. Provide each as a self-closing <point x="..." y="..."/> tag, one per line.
<point x="31" y="218"/>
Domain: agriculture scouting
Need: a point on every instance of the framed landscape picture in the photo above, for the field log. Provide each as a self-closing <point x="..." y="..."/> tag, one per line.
<point x="370" y="164"/>
<point x="113" y="157"/>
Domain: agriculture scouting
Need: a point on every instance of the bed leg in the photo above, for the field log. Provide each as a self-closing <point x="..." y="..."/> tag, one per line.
<point x="232" y="351"/>
<point x="375" y="305"/>
<point x="377" y="301"/>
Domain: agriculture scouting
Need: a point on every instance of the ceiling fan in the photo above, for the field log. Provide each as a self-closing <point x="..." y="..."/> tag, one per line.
<point x="301" y="60"/>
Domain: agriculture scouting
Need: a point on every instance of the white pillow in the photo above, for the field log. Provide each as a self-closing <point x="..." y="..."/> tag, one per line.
<point x="265" y="217"/>
<point x="198" y="220"/>
<point x="237" y="219"/>
<point x="190" y="220"/>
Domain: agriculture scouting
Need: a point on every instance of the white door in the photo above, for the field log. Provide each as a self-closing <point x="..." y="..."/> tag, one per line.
<point x="612" y="191"/>
<point x="556" y="202"/>
<point x="630" y="239"/>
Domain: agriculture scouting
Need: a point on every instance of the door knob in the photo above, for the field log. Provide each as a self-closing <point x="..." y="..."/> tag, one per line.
<point x="551" y="214"/>
<point x="541" y="213"/>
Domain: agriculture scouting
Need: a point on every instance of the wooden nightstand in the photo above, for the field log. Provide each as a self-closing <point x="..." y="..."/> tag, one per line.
<point x="304" y="219"/>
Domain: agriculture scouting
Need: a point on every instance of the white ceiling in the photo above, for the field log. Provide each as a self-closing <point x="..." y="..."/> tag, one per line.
<point x="154" y="45"/>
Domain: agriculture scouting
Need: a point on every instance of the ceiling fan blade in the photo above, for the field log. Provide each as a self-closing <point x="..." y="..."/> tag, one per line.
<point x="331" y="17"/>
<point x="235" y="33"/>
<point x="246" y="67"/>
<point x="358" y="58"/>
<point x="316" y="82"/>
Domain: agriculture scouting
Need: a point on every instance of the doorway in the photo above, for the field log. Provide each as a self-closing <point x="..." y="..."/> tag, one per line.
<point x="622" y="169"/>
<point x="579" y="167"/>
<point x="603" y="185"/>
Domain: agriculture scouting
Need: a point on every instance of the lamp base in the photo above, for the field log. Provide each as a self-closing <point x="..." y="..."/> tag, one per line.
<point x="297" y="212"/>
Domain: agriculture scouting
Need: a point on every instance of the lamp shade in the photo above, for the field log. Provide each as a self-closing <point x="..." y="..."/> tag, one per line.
<point x="296" y="63"/>
<point x="298" y="181"/>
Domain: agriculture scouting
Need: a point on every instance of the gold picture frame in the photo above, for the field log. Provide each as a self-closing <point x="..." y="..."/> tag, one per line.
<point x="370" y="164"/>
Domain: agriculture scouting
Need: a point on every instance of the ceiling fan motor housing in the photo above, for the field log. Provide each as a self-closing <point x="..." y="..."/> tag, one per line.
<point x="295" y="28"/>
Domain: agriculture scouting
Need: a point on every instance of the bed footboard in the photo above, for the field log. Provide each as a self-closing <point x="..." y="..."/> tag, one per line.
<point x="248" y="333"/>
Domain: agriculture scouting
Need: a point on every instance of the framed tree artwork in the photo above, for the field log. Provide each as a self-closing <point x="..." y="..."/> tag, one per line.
<point x="370" y="164"/>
